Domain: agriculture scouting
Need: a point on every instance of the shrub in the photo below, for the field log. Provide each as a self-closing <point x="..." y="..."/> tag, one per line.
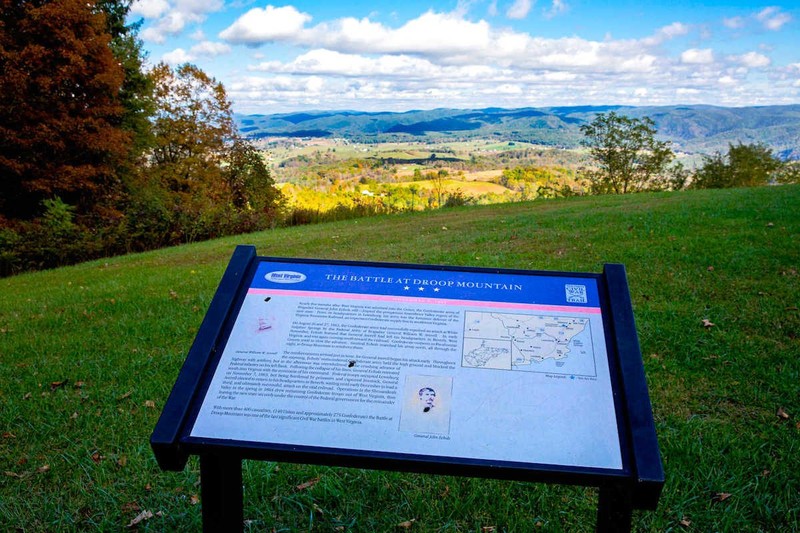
<point x="745" y="165"/>
<point x="457" y="199"/>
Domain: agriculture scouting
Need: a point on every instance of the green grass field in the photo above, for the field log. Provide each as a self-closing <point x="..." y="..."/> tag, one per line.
<point x="88" y="355"/>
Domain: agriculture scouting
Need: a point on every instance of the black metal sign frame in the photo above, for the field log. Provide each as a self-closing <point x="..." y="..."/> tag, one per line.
<point x="637" y="484"/>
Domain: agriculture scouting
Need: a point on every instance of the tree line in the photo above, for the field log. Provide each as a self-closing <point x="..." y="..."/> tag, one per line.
<point x="628" y="158"/>
<point x="100" y="155"/>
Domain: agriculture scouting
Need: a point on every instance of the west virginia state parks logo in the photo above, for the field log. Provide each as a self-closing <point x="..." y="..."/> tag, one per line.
<point x="285" y="276"/>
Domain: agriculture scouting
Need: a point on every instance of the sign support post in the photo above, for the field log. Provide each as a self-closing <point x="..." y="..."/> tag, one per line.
<point x="614" y="509"/>
<point x="222" y="493"/>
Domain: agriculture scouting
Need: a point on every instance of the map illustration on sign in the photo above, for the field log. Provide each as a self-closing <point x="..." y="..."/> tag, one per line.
<point x="534" y="343"/>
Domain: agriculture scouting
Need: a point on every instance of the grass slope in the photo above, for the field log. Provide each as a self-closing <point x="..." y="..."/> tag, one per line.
<point x="88" y="355"/>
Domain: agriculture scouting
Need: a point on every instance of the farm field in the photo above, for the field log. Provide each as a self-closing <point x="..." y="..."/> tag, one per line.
<point x="327" y="174"/>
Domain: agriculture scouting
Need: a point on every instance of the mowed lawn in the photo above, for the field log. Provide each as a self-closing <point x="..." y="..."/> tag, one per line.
<point x="88" y="355"/>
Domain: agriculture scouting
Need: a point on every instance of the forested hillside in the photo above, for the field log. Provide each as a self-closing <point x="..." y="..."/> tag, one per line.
<point x="101" y="154"/>
<point x="694" y="129"/>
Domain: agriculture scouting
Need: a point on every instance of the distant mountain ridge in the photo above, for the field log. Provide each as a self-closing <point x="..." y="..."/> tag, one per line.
<point x="691" y="128"/>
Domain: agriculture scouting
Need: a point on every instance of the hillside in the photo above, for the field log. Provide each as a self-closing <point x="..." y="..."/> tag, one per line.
<point x="692" y="129"/>
<point x="89" y="353"/>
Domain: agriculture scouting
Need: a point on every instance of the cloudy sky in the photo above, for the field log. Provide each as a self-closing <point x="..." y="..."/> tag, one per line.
<point x="409" y="54"/>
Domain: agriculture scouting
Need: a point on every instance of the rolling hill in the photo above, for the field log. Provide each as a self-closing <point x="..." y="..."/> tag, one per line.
<point x="692" y="129"/>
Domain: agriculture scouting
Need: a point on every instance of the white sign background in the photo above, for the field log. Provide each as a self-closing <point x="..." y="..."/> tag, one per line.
<point x="347" y="370"/>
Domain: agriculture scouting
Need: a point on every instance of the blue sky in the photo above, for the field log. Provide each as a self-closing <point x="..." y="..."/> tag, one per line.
<point x="278" y="57"/>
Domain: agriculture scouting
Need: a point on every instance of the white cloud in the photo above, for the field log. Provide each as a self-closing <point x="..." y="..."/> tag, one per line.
<point x="559" y="76"/>
<point x="519" y="9"/>
<point x="210" y="49"/>
<point x="666" y="33"/>
<point x="176" y="17"/>
<point x="172" y="24"/>
<point x="695" y="56"/>
<point x="152" y="35"/>
<point x="443" y="32"/>
<point x="259" y="26"/>
<point x="492" y="9"/>
<point x="149" y="8"/>
<point x="203" y="49"/>
<point x="733" y="23"/>
<point x="772" y="18"/>
<point x="176" y="57"/>
<point x="433" y="34"/>
<point x="676" y="29"/>
<point x="329" y="62"/>
<point x="449" y="39"/>
<point x="449" y="59"/>
<point x="753" y="60"/>
<point x="508" y="89"/>
<point x="314" y="84"/>
<point x="576" y="54"/>
<point x="557" y="8"/>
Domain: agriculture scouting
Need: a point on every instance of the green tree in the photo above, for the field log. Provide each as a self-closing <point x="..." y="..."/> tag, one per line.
<point x="627" y="156"/>
<point x="136" y="93"/>
<point x="745" y="165"/>
<point x="789" y="173"/>
<point x="250" y="181"/>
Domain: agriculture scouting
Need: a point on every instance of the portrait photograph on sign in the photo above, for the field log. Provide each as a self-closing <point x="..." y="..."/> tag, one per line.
<point x="426" y="405"/>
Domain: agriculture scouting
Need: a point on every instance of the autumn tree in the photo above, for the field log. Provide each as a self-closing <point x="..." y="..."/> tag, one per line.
<point x="439" y="182"/>
<point x="202" y="172"/>
<point x="414" y="190"/>
<point x="192" y="124"/>
<point x="627" y="156"/>
<point x="532" y="182"/>
<point x="60" y="111"/>
<point x="745" y="165"/>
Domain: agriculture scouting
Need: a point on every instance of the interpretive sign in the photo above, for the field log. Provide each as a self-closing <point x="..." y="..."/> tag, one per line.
<point x="420" y="362"/>
<point x="487" y="372"/>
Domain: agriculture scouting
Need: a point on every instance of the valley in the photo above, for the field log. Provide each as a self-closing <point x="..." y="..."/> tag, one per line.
<point x="340" y="164"/>
<point x="327" y="174"/>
